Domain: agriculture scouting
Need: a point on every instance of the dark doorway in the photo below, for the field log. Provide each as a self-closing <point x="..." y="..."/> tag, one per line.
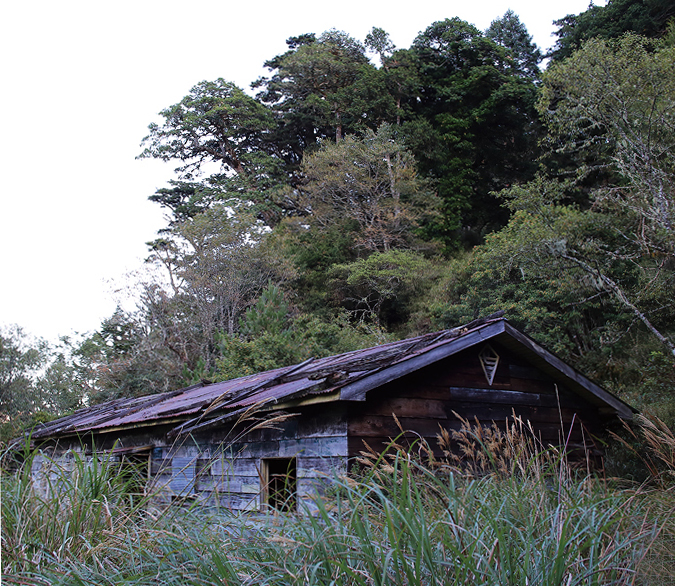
<point x="134" y="470"/>
<point x="280" y="483"/>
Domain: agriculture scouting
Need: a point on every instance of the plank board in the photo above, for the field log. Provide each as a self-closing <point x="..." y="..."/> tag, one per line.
<point x="320" y="467"/>
<point x="411" y="407"/>
<point x="183" y="475"/>
<point x="505" y="397"/>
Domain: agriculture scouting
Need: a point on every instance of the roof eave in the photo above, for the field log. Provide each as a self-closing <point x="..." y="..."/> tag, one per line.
<point x="357" y="390"/>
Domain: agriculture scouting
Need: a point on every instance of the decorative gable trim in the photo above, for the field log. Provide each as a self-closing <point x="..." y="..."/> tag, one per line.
<point x="489" y="361"/>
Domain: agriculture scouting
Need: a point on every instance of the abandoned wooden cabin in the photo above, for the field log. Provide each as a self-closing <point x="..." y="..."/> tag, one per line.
<point x="204" y="441"/>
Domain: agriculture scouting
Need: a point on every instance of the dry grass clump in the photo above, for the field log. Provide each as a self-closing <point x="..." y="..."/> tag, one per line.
<point x="477" y="449"/>
<point x="657" y="568"/>
<point x="407" y="519"/>
<point x="659" y="439"/>
<point x="656" y="451"/>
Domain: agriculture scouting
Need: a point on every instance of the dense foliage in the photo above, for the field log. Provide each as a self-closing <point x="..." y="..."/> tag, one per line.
<point x="363" y="192"/>
<point x="648" y="18"/>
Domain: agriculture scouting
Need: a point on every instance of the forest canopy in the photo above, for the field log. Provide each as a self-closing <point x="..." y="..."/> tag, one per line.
<point x="361" y="192"/>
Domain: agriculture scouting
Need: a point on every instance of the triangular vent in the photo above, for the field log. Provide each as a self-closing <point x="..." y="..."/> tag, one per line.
<point x="489" y="360"/>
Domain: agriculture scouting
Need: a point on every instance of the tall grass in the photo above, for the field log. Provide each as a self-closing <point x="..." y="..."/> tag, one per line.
<point x="83" y="509"/>
<point x="405" y="519"/>
<point x="657" y="455"/>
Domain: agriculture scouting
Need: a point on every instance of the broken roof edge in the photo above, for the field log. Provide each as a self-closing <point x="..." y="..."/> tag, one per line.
<point x="377" y="366"/>
<point x="68" y="425"/>
<point x="357" y="390"/>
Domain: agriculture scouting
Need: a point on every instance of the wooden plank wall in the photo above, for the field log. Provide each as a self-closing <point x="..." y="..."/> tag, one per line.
<point x="214" y="469"/>
<point x="426" y="400"/>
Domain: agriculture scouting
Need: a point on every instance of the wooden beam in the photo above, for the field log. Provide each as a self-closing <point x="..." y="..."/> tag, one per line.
<point x="311" y="400"/>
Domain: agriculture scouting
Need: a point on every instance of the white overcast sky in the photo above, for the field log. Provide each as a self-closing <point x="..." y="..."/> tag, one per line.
<point x="80" y="82"/>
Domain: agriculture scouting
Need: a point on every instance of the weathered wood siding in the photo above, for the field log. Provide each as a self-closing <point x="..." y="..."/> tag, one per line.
<point x="215" y="468"/>
<point x="426" y="401"/>
<point x="231" y="472"/>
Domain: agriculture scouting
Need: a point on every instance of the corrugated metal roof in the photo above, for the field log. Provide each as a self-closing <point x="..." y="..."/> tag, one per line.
<point x="202" y="401"/>
<point x="352" y="374"/>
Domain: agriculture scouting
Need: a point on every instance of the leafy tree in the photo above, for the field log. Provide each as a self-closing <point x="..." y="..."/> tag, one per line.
<point x="537" y="270"/>
<point x="621" y="96"/>
<point x="378" y="40"/>
<point x="399" y="72"/>
<point x="265" y="339"/>
<point x="218" y="126"/>
<point x="523" y="55"/>
<point x="38" y="381"/>
<point x="268" y="315"/>
<point x="61" y="387"/>
<point x="475" y="126"/>
<point x="125" y="358"/>
<point x="225" y="266"/>
<point x="313" y="252"/>
<point x="185" y="200"/>
<point x="647" y="18"/>
<point x="383" y="290"/>
<point x="584" y="261"/>
<point x="20" y="362"/>
<point x="371" y="181"/>
<point x="271" y="337"/>
<point x="321" y="88"/>
<point x="215" y="122"/>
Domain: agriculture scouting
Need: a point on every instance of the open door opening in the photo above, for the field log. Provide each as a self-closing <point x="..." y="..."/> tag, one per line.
<point x="134" y="470"/>
<point x="280" y="483"/>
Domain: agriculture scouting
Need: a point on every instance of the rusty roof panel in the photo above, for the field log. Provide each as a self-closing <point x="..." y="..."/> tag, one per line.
<point x="314" y="376"/>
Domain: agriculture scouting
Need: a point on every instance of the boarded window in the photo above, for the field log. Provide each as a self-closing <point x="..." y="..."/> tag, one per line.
<point x="279" y="478"/>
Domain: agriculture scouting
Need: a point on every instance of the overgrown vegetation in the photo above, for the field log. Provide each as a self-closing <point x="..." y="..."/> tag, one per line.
<point x="404" y="518"/>
<point x="368" y="193"/>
